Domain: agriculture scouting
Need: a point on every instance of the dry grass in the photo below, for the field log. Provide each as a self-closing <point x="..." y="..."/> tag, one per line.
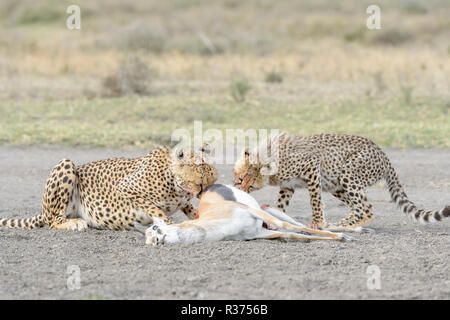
<point x="196" y="50"/>
<point x="382" y="71"/>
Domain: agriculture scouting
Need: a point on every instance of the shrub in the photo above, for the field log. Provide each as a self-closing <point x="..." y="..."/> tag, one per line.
<point x="274" y="77"/>
<point x="407" y="93"/>
<point x="239" y="89"/>
<point x="131" y="77"/>
<point x="392" y="37"/>
<point x="358" y="34"/>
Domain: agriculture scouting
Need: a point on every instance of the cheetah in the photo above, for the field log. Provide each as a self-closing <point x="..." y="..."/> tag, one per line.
<point x="114" y="193"/>
<point x="341" y="164"/>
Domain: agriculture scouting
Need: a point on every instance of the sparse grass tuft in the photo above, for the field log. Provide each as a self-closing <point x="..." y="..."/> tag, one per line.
<point x="391" y="37"/>
<point x="131" y="77"/>
<point x="355" y="35"/>
<point x="239" y="89"/>
<point x="41" y="12"/>
<point x="274" y="77"/>
<point x="407" y="93"/>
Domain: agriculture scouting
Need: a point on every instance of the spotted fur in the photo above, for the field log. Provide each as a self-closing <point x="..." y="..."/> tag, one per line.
<point x="341" y="164"/>
<point x="115" y="193"/>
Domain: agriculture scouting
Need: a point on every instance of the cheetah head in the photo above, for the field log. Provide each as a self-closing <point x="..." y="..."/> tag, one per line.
<point x="193" y="170"/>
<point x="251" y="172"/>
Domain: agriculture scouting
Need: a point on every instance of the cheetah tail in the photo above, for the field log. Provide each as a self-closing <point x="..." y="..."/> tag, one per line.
<point x="37" y="221"/>
<point x="399" y="196"/>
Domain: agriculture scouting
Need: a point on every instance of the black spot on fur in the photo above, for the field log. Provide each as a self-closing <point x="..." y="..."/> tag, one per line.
<point x="437" y="216"/>
<point x="446" y="211"/>
<point x="417" y="214"/>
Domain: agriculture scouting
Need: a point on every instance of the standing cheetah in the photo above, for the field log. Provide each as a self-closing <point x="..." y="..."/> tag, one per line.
<point x="341" y="164"/>
<point x="115" y="193"/>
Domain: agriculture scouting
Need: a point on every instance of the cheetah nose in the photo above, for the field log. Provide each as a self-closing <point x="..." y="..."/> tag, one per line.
<point x="238" y="181"/>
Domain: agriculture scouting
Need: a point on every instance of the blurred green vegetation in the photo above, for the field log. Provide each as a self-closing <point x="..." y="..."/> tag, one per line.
<point x="137" y="70"/>
<point x="146" y="122"/>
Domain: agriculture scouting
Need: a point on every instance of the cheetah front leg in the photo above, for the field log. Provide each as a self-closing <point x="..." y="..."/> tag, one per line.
<point x="189" y="211"/>
<point x="133" y="187"/>
<point x="314" y="189"/>
<point x="58" y="199"/>
<point x="153" y="211"/>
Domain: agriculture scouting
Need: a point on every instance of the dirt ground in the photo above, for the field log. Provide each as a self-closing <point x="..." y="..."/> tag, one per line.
<point x="413" y="260"/>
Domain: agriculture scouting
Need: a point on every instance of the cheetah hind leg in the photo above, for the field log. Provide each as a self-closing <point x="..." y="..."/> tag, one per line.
<point x="352" y="223"/>
<point x="346" y="225"/>
<point x="58" y="199"/>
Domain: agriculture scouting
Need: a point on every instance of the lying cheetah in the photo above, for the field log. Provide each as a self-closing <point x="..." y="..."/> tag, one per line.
<point x="115" y="193"/>
<point x="341" y="164"/>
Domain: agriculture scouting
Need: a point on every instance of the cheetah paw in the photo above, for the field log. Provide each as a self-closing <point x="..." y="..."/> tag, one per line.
<point x="316" y="225"/>
<point x="73" y="225"/>
<point x="336" y="228"/>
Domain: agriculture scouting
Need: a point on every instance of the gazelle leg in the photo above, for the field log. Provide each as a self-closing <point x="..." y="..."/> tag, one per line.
<point x="268" y="218"/>
<point x="290" y="227"/>
<point x="283" y="216"/>
<point x="271" y="234"/>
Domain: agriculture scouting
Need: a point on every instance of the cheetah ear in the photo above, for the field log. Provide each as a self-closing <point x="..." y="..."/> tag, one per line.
<point x="269" y="169"/>
<point x="179" y="153"/>
<point x="205" y="148"/>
